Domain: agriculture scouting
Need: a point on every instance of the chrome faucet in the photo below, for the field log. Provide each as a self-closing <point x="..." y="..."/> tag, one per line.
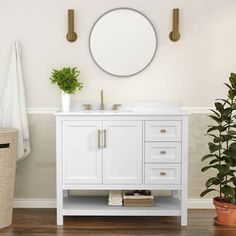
<point x="102" y="101"/>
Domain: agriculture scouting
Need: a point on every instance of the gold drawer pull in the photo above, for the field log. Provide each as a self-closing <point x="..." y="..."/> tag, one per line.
<point x="99" y="138"/>
<point x="162" y="173"/>
<point x="163" y="152"/>
<point x="105" y="138"/>
<point x="163" y="131"/>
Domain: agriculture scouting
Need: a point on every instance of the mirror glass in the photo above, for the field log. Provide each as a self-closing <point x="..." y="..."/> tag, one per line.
<point x="123" y="42"/>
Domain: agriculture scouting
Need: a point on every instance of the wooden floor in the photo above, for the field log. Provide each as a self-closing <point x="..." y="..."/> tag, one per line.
<point x="42" y="222"/>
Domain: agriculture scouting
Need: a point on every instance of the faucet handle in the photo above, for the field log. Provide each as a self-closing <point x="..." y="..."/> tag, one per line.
<point x="116" y="107"/>
<point x="87" y="107"/>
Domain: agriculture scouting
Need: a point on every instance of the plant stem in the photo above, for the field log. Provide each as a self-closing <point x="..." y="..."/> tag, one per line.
<point x="220" y="164"/>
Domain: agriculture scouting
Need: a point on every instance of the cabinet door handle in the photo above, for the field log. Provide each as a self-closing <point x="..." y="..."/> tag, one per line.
<point x="163" y="131"/>
<point x="105" y="138"/>
<point x="163" y="152"/>
<point x="99" y="138"/>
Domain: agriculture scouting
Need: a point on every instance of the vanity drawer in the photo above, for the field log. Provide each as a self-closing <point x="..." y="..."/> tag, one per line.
<point x="162" y="174"/>
<point x="162" y="152"/>
<point x="163" y="131"/>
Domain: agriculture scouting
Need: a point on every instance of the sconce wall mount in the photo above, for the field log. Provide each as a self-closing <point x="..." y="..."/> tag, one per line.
<point x="71" y="35"/>
<point x="174" y="34"/>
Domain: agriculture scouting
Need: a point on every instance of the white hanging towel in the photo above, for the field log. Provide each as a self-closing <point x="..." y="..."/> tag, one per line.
<point x="12" y="105"/>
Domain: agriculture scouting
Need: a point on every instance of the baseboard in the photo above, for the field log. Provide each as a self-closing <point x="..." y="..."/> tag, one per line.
<point x="34" y="203"/>
<point x="200" y="203"/>
<point x="193" y="203"/>
<point x="42" y="110"/>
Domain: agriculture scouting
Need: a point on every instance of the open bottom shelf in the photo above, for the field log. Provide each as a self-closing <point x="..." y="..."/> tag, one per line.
<point x="97" y="206"/>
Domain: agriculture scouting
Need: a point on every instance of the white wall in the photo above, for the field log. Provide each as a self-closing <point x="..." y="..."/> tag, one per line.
<point x="191" y="71"/>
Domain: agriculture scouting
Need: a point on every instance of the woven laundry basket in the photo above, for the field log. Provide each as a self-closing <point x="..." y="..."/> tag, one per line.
<point x="8" y="145"/>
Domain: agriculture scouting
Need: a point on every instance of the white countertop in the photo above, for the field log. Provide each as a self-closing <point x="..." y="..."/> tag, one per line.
<point x="128" y="110"/>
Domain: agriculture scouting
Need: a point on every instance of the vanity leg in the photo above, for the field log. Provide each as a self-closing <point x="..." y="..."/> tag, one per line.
<point x="184" y="180"/>
<point x="59" y="171"/>
<point x="184" y="209"/>
<point x="59" y="207"/>
<point x="59" y="219"/>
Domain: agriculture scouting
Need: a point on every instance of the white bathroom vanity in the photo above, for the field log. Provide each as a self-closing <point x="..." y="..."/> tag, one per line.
<point x="129" y="149"/>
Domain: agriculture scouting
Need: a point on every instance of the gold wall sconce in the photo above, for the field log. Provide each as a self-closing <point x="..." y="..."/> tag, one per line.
<point x="71" y="35"/>
<point x="174" y="34"/>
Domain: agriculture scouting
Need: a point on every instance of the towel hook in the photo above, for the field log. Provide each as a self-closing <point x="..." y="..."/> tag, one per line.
<point x="174" y="34"/>
<point x="71" y="35"/>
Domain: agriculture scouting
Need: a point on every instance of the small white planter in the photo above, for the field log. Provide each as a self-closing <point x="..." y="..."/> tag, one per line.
<point x="65" y="102"/>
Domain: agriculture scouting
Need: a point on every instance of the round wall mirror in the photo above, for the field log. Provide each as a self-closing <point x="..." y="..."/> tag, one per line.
<point x="123" y="42"/>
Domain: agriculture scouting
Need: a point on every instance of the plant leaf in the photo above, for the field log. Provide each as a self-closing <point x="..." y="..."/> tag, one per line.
<point x="216" y="112"/>
<point x="212" y="181"/>
<point x="213" y="147"/>
<point x="207" y="156"/>
<point x="215" y="118"/>
<point x="207" y="191"/>
<point x="213" y="161"/>
<point x="206" y="168"/>
<point x="219" y="107"/>
<point x="227" y="190"/>
<point x="223" y="169"/>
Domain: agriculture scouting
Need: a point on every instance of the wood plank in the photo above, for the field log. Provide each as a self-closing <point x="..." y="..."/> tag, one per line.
<point x="42" y="222"/>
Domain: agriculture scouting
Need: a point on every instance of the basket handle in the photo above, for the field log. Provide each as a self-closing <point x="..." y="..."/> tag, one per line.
<point x="4" y="145"/>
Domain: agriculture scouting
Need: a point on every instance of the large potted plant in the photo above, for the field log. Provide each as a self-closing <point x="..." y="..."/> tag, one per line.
<point x="222" y="156"/>
<point x="67" y="80"/>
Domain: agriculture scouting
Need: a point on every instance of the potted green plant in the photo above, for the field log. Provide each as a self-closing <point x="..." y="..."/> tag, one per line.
<point x="67" y="79"/>
<point x="222" y="156"/>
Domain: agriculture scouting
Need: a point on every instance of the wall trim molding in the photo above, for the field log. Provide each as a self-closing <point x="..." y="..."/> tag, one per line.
<point x="197" y="110"/>
<point x="200" y="203"/>
<point x="41" y="110"/>
<point x="34" y="203"/>
<point x="51" y="110"/>
<point x="193" y="203"/>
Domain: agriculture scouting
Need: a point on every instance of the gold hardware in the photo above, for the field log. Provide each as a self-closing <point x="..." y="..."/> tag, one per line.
<point x="102" y="102"/>
<point x="71" y="36"/>
<point x="115" y="107"/>
<point x="162" y="173"/>
<point x="174" y="34"/>
<point x="105" y="138"/>
<point x="99" y="138"/>
<point x="163" y="131"/>
<point x="87" y="107"/>
<point x="163" y="152"/>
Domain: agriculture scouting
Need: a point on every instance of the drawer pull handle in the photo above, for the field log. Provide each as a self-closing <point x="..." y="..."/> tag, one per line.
<point x="163" y="131"/>
<point x="105" y="138"/>
<point x="163" y="152"/>
<point x="162" y="173"/>
<point x="99" y="138"/>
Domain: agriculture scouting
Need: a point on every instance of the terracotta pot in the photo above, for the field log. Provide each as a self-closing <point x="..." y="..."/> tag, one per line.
<point x="226" y="212"/>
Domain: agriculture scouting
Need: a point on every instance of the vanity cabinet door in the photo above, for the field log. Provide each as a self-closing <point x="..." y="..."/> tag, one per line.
<point x="82" y="157"/>
<point x="122" y="152"/>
